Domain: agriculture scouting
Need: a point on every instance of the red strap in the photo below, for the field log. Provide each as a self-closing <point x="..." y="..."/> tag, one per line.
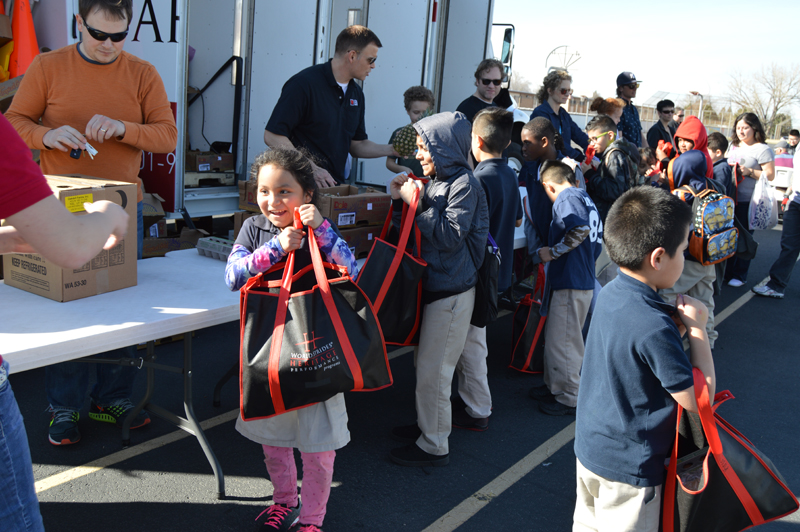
<point x="539" y="286"/>
<point x="715" y="447"/>
<point x="333" y="313"/>
<point x="277" y="336"/>
<point x="409" y="212"/>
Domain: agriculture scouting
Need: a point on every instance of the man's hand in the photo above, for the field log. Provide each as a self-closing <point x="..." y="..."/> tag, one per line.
<point x="323" y="177"/>
<point x="544" y="254"/>
<point x="310" y="216"/>
<point x="64" y="138"/>
<point x="102" y="128"/>
<point x="119" y="220"/>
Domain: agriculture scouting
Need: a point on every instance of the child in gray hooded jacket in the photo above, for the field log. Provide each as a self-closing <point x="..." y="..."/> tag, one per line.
<point x="453" y="220"/>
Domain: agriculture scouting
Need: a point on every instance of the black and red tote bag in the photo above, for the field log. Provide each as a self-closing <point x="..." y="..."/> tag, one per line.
<point x="717" y="481"/>
<point x="527" y="331"/>
<point x="306" y="337"/>
<point x="391" y="277"/>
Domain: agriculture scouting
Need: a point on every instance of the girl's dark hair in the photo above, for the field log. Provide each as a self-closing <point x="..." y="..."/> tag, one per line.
<point x="295" y="162"/>
<point x="647" y="157"/>
<point x="751" y="120"/>
<point x="606" y="106"/>
<point x="552" y="81"/>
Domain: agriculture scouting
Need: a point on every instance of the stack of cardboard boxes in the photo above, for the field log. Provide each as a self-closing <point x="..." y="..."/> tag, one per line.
<point x="358" y="215"/>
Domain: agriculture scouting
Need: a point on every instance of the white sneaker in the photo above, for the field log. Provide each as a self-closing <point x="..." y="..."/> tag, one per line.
<point x="766" y="291"/>
<point x="736" y="283"/>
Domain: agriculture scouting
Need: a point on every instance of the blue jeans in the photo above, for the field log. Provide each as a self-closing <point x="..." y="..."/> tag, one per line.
<point x="139" y="229"/>
<point x="66" y="383"/>
<point x="781" y="270"/>
<point x="737" y="268"/>
<point x="19" y="507"/>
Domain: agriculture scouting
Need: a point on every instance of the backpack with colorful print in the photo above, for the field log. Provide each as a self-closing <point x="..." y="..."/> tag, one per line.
<point x="713" y="237"/>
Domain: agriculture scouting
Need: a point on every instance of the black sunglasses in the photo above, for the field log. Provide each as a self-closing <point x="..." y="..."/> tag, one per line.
<point x="496" y="82"/>
<point x="102" y="36"/>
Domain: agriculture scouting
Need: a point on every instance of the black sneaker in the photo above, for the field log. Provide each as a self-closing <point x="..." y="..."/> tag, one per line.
<point x="300" y="527"/>
<point x="462" y="420"/>
<point x="278" y="517"/>
<point x="64" y="427"/>
<point x="541" y="393"/>
<point x="557" y="409"/>
<point x="412" y="456"/>
<point x="117" y="413"/>
<point x="406" y="433"/>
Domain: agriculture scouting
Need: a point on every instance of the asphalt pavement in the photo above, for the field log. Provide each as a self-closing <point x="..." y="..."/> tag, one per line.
<point x="517" y="475"/>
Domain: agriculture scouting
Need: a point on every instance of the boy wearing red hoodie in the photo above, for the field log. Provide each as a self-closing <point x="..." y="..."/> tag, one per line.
<point x="690" y="168"/>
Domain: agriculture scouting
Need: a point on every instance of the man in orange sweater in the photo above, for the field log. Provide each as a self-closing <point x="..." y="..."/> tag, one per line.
<point x="94" y="92"/>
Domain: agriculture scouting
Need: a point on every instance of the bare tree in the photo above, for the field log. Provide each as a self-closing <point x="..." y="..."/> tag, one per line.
<point x="521" y="83"/>
<point x="767" y="92"/>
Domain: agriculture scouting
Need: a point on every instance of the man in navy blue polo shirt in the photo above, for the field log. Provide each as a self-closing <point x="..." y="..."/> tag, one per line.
<point x="629" y="124"/>
<point x="321" y="109"/>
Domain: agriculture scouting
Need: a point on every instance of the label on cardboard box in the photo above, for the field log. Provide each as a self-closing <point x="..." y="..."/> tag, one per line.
<point x="204" y="167"/>
<point x="75" y="203"/>
<point x="346" y="218"/>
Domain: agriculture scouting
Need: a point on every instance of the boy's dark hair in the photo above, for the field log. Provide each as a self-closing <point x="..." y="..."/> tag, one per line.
<point x="647" y="158"/>
<point x="488" y="64"/>
<point x="794" y="133"/>
<point x="493" y="125"/>
<point x="557" y="173"/>
<point x="418" y="93"/>
<point x="296" y="162"/>
<point x="717" y="141"/>
<point x="115" y="9"/>
<point x="540" y="127"/>
<point x="664" y="103"/>
<point x="641" y="220"/>
<point x="751" y="120"/>
<point x="601" y="124"/>
<point x="355" y="38"/>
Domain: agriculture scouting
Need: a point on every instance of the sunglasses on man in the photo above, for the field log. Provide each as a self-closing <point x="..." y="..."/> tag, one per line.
<point x="667" y="111"/>
<point x="632" y="86"/>
<point x="495" y="82"/>
<point x="102" y="35"/>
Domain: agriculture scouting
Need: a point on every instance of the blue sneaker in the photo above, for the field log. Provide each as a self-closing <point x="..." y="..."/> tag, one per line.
<point x="64" y="427"/>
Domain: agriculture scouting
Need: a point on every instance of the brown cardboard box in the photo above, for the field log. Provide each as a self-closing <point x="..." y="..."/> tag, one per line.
<point x="347" y="208"/>
<point x="152" y="210"/>
<point x="110" y="270"/>
<point x="238" y="220"/>
<point x="247" y="196"/>
<point x="5" y="30"/>
<point x="158" y="247"/>
<point x="197" y="161"/>
<point x="360" y="239"/>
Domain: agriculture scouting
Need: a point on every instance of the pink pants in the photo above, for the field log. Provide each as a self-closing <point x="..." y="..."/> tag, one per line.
<point x="317" y="476"/>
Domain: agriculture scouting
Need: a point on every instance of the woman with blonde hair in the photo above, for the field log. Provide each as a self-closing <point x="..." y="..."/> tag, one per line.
<point x="554" y="93"/>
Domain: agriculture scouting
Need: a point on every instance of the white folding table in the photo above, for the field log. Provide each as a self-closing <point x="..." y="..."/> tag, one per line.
<point x="176" y="294"/>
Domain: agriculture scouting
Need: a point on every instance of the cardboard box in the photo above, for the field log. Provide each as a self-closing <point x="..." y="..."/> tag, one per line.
<point x="360" y="239"/>
<point x="158" y="247"/>
<point x="238" y="220"/>
<point x="197" y="161"/>
<point x="247" y="196"/>
<point x="5" y="30"/>
<point x="347" y="208"/>
<point x="110" y="270"/>
<point x="152" y="210"/>
<point x="157" y="230"/>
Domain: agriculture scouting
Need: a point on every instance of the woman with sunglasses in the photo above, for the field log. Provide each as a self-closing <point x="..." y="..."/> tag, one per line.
<point x="749" y="149"/>
<point x="554" y="93"/>
<point x="94" y="93"/>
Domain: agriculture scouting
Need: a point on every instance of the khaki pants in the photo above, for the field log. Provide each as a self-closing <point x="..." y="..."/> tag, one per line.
<point x="563" y="343"/>
<point x="607" y="506"/>
<point x="473" y="376"/>
<point x="442" y="336"/>
<point x="696" y="281"/>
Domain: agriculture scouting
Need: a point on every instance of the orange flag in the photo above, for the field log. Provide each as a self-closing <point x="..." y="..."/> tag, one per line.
<point x="25" y="45"/>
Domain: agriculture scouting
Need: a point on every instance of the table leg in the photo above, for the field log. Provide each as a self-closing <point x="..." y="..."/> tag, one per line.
<point x="126" y="425"/>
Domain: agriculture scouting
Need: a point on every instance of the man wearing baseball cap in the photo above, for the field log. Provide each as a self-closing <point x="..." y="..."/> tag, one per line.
<point x="629" y="124"/>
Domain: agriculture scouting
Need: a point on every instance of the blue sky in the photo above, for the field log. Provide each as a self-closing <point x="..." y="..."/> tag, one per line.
<point x="676" y="46"/>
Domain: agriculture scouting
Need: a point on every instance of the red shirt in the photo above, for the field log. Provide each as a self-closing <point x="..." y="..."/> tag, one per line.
<point x="21" y="181"/>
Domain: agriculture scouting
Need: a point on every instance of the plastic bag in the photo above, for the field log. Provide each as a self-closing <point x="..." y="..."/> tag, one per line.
<point x="763" y="205"/>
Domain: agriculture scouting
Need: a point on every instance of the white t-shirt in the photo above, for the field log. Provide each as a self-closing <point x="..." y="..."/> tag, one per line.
<point x="750" y="157"/>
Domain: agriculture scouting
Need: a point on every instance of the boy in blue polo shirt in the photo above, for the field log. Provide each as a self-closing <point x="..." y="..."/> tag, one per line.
<point x="574" y="243"/>
<point x="635" y="369"/>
